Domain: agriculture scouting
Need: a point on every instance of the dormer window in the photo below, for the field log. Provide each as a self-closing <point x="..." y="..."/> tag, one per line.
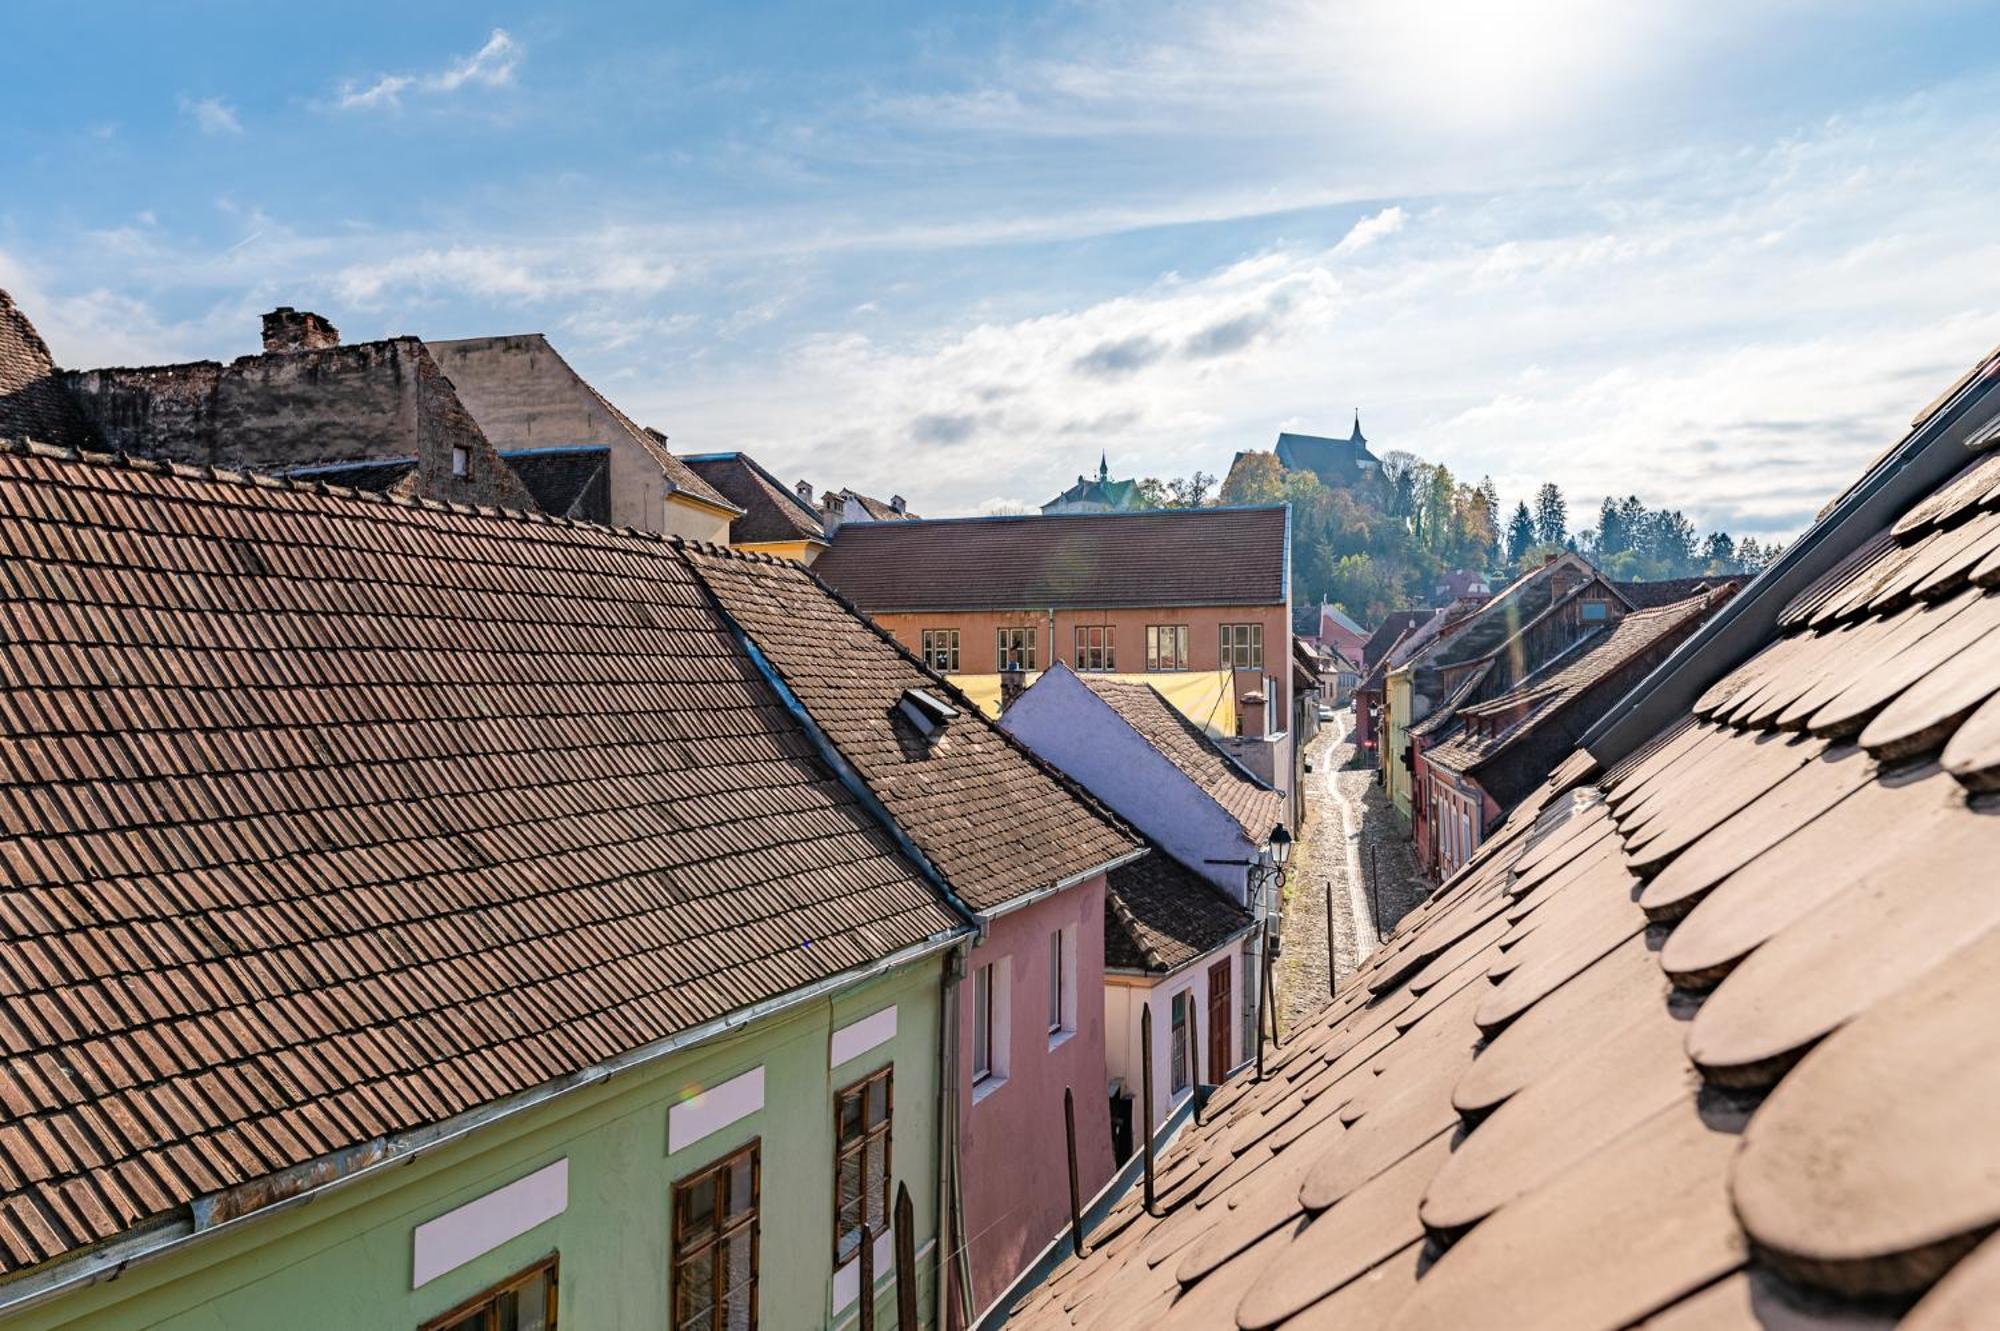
<point x="926" y="711"/>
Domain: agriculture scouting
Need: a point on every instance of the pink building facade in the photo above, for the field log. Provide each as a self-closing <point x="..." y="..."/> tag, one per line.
<point x="1031" y="1023"/>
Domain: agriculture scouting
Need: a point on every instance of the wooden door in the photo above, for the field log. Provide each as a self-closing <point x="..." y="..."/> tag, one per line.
<point x="1218" y="1022"/>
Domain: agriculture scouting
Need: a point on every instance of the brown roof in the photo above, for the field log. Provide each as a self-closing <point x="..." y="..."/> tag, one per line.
<point x="1664" y="591"/>
<point x="1485" y="730"/>
<point x="993" y="819"/>
<point x="1388" y="633"/>
<point x="878" y="510"/>
<point x="331" y="817"/>
<point x="770" y="511"/>
<point x="33" y="404"/>
<point x="1255" y="806"/>
<point x="1707" y="1039"/>
<point x="1159" y="915"/>
<point x="1194" y="556"/>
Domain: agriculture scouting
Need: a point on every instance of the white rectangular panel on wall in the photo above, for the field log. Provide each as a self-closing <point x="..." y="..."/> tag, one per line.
<point x="483" y="1224"/>
<point x="857" y="1038"/>
<point x="715" y="1109"/>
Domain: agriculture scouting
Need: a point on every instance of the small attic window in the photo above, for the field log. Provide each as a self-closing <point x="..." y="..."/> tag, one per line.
<point x="1595" y="612"/>
<point x="461" y="461"/>
<point x="926" y="711"/>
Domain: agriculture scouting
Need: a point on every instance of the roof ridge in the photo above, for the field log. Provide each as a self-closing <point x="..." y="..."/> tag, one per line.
<point x="246" y="478"/>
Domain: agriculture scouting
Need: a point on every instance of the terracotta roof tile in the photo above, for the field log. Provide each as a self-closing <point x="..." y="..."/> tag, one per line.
<point x="1159" y="915"/>
<point x="331" y="817"/>
<point x="995" y="820"/>
<point x="1255" y="806"/>
<point x="1202" y="556"/>
<point x="771" y="512"/>
<point x="1708" y="1043"/>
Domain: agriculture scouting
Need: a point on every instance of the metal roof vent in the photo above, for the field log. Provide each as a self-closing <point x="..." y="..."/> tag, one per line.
<point x="929" y="713"/>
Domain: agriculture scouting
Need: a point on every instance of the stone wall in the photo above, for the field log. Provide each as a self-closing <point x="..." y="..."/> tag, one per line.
<point x="369" y="401"/>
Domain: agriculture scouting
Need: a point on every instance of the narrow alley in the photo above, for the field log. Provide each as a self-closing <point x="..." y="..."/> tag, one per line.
<point x="1351" y="848"/>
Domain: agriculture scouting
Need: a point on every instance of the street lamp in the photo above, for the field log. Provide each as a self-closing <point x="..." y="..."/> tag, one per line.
<point x="1281" y="845"/>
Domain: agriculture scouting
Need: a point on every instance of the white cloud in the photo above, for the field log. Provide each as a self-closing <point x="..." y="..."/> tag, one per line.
<point x="212" y="115"/>
<point x="1371" y="229"/>
<point x="491" y="66"/>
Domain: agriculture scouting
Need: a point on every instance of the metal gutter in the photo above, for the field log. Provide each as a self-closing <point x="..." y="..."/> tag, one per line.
<point x="370" y="1159"/>
<point x="1013" y="904"/>
<point x="1936" y="447"/>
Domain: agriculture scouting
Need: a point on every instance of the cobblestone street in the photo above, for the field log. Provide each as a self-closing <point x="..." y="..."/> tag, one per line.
<point x="1351" y="842"/>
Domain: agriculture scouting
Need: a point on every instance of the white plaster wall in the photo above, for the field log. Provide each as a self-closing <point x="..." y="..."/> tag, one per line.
<point x="1065" y="723"/>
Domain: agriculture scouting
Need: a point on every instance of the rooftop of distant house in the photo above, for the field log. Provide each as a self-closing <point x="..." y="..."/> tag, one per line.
<point x="1161" y="557"/>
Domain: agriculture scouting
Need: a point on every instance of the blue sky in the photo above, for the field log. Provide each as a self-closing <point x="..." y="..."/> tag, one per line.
<point x="1713" y="254"/>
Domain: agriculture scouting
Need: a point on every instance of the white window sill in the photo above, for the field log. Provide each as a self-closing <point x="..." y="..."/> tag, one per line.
<point x="982" y="1089"/>
<point x="1057" y="1039"/>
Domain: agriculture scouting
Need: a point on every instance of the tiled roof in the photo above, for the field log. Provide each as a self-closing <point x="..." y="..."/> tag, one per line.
<point x="33" y="404"/>
<point x="1509" y="610"/>
<point x="1664" y="591"/>
<point x="1388" y="633"/>
<point x="566" y="482"/>
<point x="1544" y="695"/>
<point x="1255" y="806"/>
<point x="771" y="512"/>
<point x="877" y="509"/>
<point x="1707" y="1043"/>
<point x="330" y="817"/>
<point x="1195" y="556"/>
<point x="1159" y="915"/>
<point x="995" y="820"/>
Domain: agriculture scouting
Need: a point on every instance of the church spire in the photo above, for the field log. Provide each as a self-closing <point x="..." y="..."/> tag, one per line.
<point x="1104" y="466"/>
<point x="1357" y="437"/>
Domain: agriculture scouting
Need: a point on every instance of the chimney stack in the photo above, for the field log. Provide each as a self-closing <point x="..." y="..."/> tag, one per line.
<point x="287" y="330"/>
<point x="804" y="490"/>
<point x="1250" y="709"/>
<point x="896" y="502"/>
<point x="1013" y="683"/>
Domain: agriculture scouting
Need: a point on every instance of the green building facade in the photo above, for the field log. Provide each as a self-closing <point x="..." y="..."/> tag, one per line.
<point x="351" y="1256"/>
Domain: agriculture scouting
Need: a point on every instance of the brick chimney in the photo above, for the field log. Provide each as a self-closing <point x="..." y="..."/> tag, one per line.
<point x="1013" y="683"/>
<point x="1250" y="716"/>
<point x="287" y="330"/>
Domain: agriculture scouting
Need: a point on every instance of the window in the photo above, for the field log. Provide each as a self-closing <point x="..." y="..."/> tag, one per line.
<point x="1016" y="650"/>
<point x="1243" y="646"/>
<point x="526" y="1302"/>
<point x="861" y="1115"/>
<point x="1093" y="647"/>
<point x="461" y="461"/>
<point x="1594" y="612"/>
<point x="982" y="1023"/>
<point x="941" y="650"/>
<point x="1178" y="1056"/>
<point x="992" y="1027"/>
<point x="715" y="1246"/>
<point x="1062" y="984"/>
<point x="1166" y="647"/>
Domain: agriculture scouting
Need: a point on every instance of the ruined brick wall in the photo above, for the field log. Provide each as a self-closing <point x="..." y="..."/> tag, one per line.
<point x="161" y="411"/>
<point x="368" y="401"/>
<point x="32" y="402"/>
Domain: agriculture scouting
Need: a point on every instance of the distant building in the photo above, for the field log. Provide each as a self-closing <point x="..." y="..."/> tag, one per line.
<point x="1160" y="591"/>
<point x="1337" y="632"/>
<point x="524" y="395"/>
<point x="1099" y="495"/>
<point x="776" y="520"/>
<point x="837" y="508"/>
<point x="1461" y="582"/>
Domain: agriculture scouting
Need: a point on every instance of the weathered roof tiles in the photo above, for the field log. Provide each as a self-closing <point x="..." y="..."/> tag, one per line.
<point x="1702" y="1041"/>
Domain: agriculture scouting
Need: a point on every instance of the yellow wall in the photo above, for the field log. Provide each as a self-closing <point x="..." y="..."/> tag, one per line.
<point x="803" y="552"/>
<point x="1396" y="702"/>
<point x="683" y="516"/>
<point x="1198" y="695"/>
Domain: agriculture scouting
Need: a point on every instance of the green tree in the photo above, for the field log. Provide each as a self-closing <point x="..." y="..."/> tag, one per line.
<point x="1257" y="479"/>
<point x="1520" y="534"/>
<point x="1551" y="515"/>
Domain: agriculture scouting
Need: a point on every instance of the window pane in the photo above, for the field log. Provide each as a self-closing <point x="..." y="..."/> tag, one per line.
<point x="738" y="1273"/>
<point x="743" y="1185"/>
<point x="878" y="1102"/>
<point x="694" y="1286"/>
<point x="850" y="1116"/>
<point x="876" y="1185"/>
<point x="697" y="1202"/>
<point x="848" y="1201"/>
<point x="982" y="1019"/>
<point x="525" y="1307"/>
